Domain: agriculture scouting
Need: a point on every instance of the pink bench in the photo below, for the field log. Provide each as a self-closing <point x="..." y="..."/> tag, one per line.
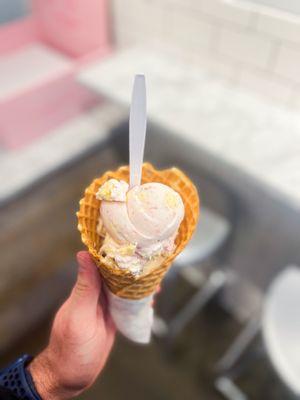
<point x="40" y="57"/>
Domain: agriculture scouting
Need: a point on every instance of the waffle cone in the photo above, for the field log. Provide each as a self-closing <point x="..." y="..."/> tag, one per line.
<point x="123" y="283"/>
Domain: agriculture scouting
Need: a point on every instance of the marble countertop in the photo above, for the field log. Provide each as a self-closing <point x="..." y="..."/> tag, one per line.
<point x="240" y="128"/>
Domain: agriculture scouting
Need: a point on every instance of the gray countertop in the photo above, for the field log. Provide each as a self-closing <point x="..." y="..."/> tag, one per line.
<point x="238" y="127"/>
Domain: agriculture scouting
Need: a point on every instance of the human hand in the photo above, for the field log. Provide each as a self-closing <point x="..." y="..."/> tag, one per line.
<point x="81" y="338"/>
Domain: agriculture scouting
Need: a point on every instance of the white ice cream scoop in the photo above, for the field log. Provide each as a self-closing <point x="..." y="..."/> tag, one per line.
<point x="152" y="213"/>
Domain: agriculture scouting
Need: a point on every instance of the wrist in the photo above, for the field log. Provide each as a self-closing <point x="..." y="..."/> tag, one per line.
<point x="44" y="379"/>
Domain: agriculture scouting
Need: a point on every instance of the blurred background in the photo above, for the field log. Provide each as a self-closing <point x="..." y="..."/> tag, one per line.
<point x="223" y="105"/>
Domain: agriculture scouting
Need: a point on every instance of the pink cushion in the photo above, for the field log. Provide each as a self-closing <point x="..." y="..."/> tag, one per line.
<point x="75" y="27"/>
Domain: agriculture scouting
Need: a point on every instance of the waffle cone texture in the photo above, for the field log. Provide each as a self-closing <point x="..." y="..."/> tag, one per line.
<point x="122" y="283"/>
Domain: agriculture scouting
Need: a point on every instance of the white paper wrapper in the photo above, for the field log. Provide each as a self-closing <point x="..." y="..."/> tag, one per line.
<point x="133" y="318"/>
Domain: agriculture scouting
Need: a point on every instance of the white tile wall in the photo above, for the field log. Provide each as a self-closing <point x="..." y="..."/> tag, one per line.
<point x="288" y="63"/>
<point x="283" y="29"/>
<point x="189" y="31"/>
<point x="189" y="4"/>
<point x="226" y="13"/>
<point x="245" y="47"/>
<point x="256" y="51"/>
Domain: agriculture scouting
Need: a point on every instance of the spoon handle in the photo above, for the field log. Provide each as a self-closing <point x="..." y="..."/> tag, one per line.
<point x="137" y="129"/>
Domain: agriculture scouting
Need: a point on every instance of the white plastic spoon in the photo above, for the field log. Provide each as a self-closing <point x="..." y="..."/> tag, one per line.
<point x="137" y="129"/>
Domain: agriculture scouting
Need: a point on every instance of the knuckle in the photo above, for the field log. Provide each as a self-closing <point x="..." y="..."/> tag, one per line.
<point x="81" y="288"/>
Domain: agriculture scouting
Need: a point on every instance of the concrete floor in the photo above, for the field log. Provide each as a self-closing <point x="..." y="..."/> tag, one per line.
<point x="185" y="371"/>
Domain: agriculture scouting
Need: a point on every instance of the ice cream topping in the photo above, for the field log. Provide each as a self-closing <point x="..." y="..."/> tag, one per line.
<point x="113" y="190"/>
<point x="140" y="224"/>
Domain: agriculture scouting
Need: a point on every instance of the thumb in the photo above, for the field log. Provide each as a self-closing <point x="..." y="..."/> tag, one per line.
<point x="87" y="288"/>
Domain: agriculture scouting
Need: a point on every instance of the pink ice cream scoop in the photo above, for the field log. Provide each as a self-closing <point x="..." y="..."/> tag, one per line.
<point x="151" y="214"/>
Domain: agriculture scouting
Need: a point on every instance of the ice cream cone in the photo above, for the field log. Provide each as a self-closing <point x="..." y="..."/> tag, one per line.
<point x="120" y="282"/>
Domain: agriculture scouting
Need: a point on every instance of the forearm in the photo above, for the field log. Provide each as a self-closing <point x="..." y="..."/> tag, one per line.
<point x="46" y="382"/>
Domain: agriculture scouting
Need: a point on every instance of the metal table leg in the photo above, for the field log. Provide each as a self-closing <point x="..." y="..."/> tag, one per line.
<point x="229" y="389"/>
<point x="214" y="283"/>
<point x="240" y="345"/>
